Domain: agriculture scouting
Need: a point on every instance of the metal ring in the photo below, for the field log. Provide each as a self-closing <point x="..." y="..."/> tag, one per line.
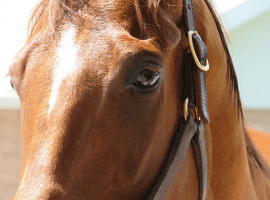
<point x="204" y="68"/>
<point x="197" y="114"/>
<point x="186" y="109"/>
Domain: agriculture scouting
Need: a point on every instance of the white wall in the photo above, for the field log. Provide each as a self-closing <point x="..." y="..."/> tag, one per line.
<point x="14" y="15"/>
<point x="251" y="55"/>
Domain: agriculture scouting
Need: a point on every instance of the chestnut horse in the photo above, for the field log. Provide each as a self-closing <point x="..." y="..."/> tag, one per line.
<point x="100" y="88"/>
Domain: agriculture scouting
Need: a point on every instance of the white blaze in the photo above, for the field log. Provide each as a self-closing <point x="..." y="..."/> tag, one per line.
<point x="66" y="64"/>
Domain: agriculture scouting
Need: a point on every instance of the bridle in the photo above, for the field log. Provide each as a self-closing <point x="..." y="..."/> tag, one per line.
<point x="190" y="130"/>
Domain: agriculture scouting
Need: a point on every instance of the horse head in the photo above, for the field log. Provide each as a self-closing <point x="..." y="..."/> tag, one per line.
<point x="100" y="86"/>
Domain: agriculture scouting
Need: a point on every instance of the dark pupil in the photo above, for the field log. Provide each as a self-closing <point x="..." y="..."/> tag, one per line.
<point x="147" y="77"/>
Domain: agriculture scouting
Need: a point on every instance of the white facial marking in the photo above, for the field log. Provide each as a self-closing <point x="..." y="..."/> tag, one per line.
<point x="66" y="64"/>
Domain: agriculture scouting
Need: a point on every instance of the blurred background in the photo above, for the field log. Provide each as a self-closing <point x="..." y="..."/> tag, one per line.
<point x="247" y="23"/>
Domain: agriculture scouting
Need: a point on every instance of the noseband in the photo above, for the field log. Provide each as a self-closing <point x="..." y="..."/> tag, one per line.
<point x="195" y="98"/>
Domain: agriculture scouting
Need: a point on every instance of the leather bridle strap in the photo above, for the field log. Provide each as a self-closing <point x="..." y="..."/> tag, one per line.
<point x="197" y="87"/>
<point x="190" y="130"/>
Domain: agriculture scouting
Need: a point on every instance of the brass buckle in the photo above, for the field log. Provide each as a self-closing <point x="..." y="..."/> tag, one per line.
<point x="186" y="111"/>
<point x="204" y="68"/>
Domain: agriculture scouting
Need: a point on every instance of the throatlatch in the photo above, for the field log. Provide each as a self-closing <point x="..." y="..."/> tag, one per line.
<point x="190" y="130"/>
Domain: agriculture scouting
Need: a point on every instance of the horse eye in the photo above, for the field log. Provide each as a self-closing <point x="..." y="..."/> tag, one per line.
<point x="11" y="83"/>
<point x="147" y="78"/>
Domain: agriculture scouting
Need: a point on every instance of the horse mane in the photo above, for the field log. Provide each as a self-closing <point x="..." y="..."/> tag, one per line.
<point x="49" y="15"/>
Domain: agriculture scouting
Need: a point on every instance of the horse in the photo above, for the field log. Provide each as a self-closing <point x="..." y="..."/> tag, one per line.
<point x="100" y="86"/>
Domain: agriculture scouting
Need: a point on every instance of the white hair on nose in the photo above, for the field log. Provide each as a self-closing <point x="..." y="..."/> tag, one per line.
<point x="66" y="64"/>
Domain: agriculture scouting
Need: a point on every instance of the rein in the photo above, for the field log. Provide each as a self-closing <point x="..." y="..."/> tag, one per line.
<point x="190" y="130"/>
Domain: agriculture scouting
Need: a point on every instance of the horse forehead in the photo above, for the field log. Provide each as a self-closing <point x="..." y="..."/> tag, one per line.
<point x="112" y="7"/>
<point x="116" y="13"/>
<point x="66" y="56"/>
<point x="98" y="46"/>
<point x="96" y="56"/>
<point x="70" y="57"/>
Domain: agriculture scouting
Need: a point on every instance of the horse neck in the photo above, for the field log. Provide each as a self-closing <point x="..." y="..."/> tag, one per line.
<point x="229" y="155"/>
<point x="229" y="173"/>
<point x="238" y="169"/>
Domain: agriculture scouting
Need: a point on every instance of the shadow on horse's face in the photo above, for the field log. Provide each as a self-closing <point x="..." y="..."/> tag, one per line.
<point x="99" y="106"/>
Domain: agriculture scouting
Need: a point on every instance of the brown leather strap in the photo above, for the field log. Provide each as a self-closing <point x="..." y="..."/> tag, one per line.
<point x="201" y="158"/>
<point x="175" y="159"/>
<point x="200" y="80"/>
<point x="201" y="51"/>
<point x="200" y="96"/>
<point x="189" y="90"/>
<point x="188" y="16"/>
